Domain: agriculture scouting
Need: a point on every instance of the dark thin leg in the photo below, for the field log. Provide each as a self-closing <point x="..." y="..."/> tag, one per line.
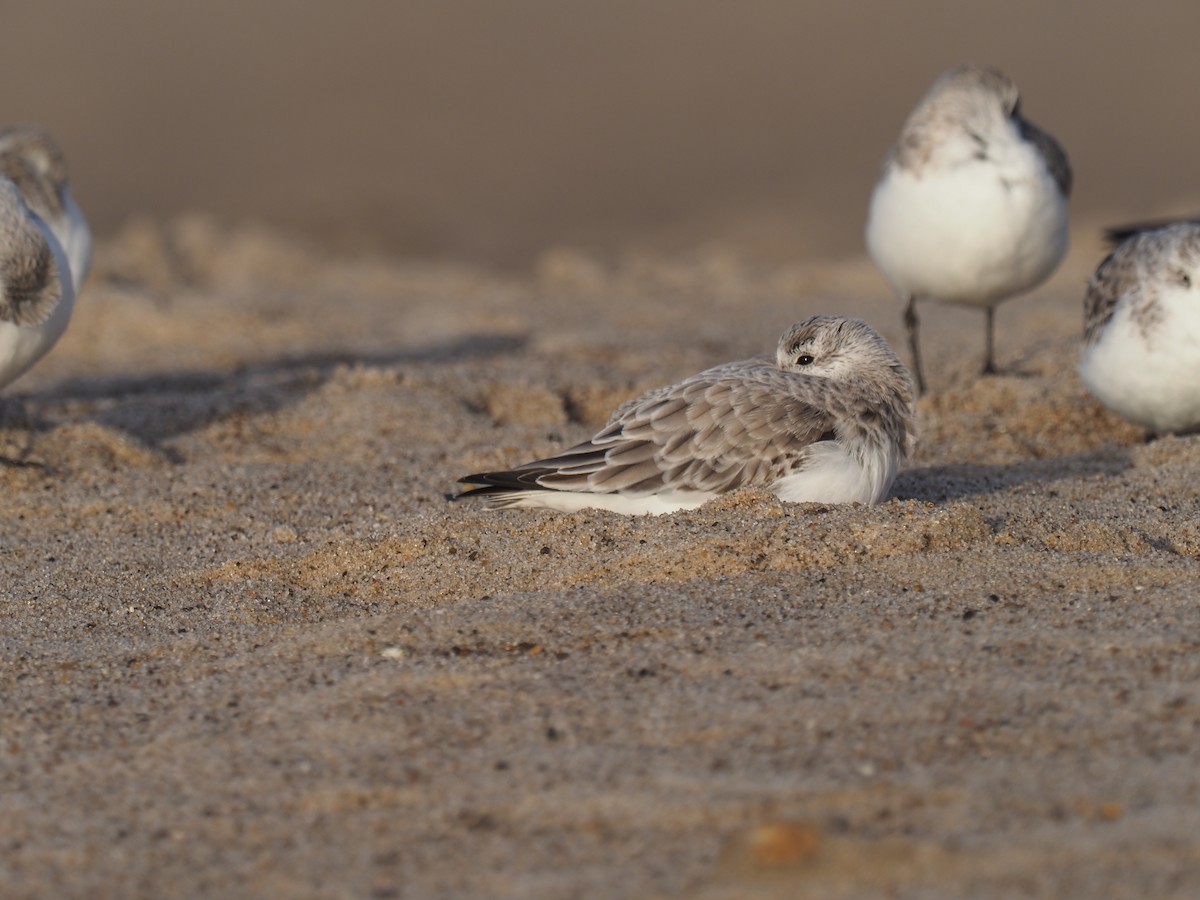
<point x="911" y="323"/>
<point x="14" y="417"/>
<point x="989" y="365"/>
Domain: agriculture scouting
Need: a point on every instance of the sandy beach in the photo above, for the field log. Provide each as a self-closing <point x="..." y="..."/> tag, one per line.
<point x="250" y="646"/>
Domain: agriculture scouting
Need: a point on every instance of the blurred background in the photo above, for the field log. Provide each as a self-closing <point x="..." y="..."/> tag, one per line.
<point x="491" y="129"/>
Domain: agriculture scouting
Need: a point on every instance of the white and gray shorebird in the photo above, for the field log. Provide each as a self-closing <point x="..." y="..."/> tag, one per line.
<point x="972" y="204"/>
<point x="45" y="248"/>
<point x="1141" y="329"/>
<point x="827" y="419"/>
<point x="36" y="290"/>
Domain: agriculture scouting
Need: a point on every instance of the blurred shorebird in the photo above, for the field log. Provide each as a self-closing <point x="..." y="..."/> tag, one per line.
<point x="36" y="291"/>
<point x="1141" y="354"/>
<point x="45" y="248"/>
<point x="31" y="159"/>
<point x="972" y="204"/>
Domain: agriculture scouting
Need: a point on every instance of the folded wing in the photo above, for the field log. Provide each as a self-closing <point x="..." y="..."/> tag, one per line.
<point x="734" y="426"/>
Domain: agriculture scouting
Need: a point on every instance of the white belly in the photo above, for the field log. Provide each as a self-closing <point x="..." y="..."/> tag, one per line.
<point x="837" y="475"/>
<point x="958" y="235"/>
<point x="21" y="347"/>
<point x="833" y="475"/>
<point x="575" y="501"/>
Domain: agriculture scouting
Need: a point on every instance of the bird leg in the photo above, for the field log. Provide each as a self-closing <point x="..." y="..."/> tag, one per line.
<point x="989" y="365"/>
<point x="911" y="323"/>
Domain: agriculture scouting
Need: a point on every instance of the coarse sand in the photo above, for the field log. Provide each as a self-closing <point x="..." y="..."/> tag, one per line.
<point x="250" y="647"/>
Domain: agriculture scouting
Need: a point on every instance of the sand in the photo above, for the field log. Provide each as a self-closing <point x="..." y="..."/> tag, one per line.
<point x="250" y="648"/>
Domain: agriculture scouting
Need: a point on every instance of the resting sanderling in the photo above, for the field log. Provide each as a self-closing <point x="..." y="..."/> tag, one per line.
<point x="31" y="159"/>
<point x="972" y="204"/>
<point x="36" y="290"/>
<point x="1141" y="329"/>
<point x="828" y="419"/>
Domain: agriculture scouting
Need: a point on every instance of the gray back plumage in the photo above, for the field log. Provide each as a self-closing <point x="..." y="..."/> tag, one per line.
<point x="30" y="284"/>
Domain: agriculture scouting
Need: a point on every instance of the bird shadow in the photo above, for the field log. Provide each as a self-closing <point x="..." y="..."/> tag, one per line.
<point x="940" y="484"/>
<point x="155" y="408"/>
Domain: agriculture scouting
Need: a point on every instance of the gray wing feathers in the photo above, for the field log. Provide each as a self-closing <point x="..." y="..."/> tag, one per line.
<point x="30" y="288"/>
<point x="693" y="437"/>
<point x="1105" y="288"/>
<point x="1054" y="155"/>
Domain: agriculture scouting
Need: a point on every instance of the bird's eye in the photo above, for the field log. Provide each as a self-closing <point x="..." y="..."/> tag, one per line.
<point x="1185" y="279"/>
<point x="804" y="359"/>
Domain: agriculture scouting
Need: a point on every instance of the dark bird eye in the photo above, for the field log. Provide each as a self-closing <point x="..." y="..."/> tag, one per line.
<point x="1185" y="279"/>
<point x="804" y="359"/>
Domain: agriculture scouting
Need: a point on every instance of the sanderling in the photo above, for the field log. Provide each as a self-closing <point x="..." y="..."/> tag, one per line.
<point x="972" y="204"/>
<point x="829" y="419"/>
<point x="36" y="289"/>
<point x="31" y="159"/>
<point x="1141" y="329"/>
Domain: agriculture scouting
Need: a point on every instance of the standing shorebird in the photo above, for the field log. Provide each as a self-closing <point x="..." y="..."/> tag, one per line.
<point x="1141" y="329"/>
<point x="972" y="204"/>
<point x="828" y="419"/>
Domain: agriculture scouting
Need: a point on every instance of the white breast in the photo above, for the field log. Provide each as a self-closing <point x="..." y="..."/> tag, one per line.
<point x="837" y="474"/>
<point x="972" y="233"/>
<point x="1149" y="373"/>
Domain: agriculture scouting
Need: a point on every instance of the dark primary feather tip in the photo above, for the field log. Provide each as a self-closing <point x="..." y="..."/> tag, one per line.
<point x="503" y="482"/>
<point x="1119" y="234"/>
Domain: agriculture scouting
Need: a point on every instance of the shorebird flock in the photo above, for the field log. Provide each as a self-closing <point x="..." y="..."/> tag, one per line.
<point x="971" y="208"/>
